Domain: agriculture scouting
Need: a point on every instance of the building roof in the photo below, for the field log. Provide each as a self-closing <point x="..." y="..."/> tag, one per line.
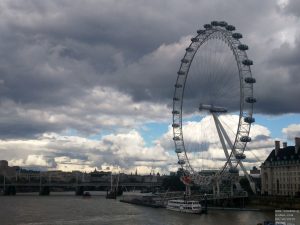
<point x="284" y="154"/>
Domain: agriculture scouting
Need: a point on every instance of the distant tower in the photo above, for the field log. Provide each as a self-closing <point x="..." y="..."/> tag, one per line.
<point x="152" y="172"/>
<point x="136" y="172"/>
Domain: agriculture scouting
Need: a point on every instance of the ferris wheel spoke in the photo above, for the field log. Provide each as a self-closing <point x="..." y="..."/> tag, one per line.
<point x="217" y="123"/>
<point x="228" y="140"/>
<point x="252" y="184"/>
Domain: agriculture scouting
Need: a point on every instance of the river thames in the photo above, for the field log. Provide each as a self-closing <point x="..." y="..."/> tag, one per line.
<point x="69" y="209"/>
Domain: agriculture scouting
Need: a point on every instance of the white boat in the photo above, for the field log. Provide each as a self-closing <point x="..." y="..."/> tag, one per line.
<point x="184" y="206"/>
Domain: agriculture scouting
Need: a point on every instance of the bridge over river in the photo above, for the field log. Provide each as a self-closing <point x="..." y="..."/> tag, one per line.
<point x="45" y="184"/>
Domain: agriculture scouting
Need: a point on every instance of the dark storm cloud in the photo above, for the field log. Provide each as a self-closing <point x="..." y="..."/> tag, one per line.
<point x="281" y="78"/>
<point x="286" y="56"/>
<point x="293" y="7"/>
<point x="261" y="138"/>
<point x="52" y="53"/>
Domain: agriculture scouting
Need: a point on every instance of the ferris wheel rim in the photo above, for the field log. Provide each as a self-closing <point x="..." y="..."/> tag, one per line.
<point x="244" y="71"/>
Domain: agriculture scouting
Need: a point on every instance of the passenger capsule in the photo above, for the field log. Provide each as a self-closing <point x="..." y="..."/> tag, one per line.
<point x="250" y="100"/>
<point x="245" y="139"/>
<point x="180" y="72"/>
<point x="243" y="47"/>
<point x="237" y="35"/>
<point x="230" y="28"/>
<point x="175" y="112"/>
<point x="233" y="170"/>
<point x="200" y="31"/>
<point x="240" y="156"/>
<point x="176" y="138"/>
<point x="207" y="26"/>
<point x="175" y="99"/>
<point x="175" y="125"/>
<point x="181" y="162"/>
<point x="214" y="23"/>
<point x="194" y="39"/>
<point x="178" y="151"/>
<point x="247" y="62"/>
<point x="184" y="60"/>
<point x="249" y="119"/>
<point x="178" y="85"/>
<point x="250" y="80"/>
<point x="222" y="24"/>
<point x="189" y="49"/>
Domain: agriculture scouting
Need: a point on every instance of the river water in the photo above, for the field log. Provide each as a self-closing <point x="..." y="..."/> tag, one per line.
<point x="58" y="209"/>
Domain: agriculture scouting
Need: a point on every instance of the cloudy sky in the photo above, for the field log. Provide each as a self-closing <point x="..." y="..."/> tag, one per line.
<point x="89" y="84"/>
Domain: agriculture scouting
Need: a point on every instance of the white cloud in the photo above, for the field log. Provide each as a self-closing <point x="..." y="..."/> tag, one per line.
<point x="38" y="160"/>
<point x="53" y="151"/>
<point x="292" y="131"/>
<point x="204" y="148"/>
<point x="128" y="151"/>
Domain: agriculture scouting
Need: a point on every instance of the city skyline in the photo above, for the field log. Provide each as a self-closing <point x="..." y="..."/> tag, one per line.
<point x="90" y="85"/>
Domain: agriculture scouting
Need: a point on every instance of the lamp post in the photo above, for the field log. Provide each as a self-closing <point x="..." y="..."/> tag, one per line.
<point x="3" y="182"/>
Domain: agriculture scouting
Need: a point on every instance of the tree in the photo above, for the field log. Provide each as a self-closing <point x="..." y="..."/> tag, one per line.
<point x="246" y="185"/>
<point x="173" y="183"/>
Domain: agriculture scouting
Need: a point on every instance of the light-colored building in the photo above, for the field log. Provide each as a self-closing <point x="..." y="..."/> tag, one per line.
<point x="280" y="173"/>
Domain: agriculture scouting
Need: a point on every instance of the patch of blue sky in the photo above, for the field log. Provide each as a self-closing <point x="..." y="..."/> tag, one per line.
<point x="194" y="117"/>
<point x="70" y="132"/>
<point x="104" y="132"/>
<point x="153" y="131"/>
<point x="276" y="123"/>
<point x="96" y="136"/>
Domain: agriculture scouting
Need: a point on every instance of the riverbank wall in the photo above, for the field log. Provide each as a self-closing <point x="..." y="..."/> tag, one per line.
<point x="273" y="202"/>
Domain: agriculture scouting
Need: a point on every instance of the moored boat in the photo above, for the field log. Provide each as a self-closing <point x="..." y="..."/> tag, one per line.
<point x="185" y="206"/>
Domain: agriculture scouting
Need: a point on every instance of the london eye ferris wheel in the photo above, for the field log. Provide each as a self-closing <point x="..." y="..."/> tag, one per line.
<point x="213" y="105"/>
